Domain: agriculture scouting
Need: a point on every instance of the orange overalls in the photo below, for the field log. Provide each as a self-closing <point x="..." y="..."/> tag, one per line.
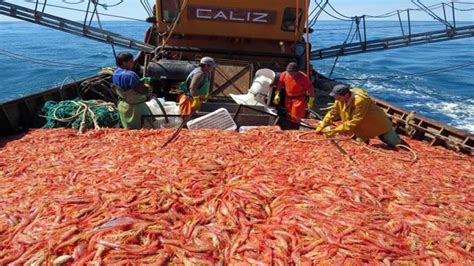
<point x="297" y="87"/>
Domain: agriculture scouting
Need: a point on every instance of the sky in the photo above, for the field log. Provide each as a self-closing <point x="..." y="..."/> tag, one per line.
<point x="133" y="8"/>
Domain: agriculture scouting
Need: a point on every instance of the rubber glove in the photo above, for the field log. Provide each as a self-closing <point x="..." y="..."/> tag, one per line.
<point x="146" y="81"/>
<point x="310" y="103"/>
<point x="196" y="102"/>
<point x="276" y="99"/>
<point x="329" y="133"/>
<point x="319" y="128"/>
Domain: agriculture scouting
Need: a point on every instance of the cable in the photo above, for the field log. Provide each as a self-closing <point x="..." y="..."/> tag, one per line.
<point x="430" y="12"/>
<point x="183" y="7"/>
<point x="316" y="16"/>
<point x="42" y="61"/>
<point x="314" y="9"/>
<point x="311" y="13"/>
<point x="105" y="6"/>
<point x="146" y="7"/>
<point x="427" y="9"/>
<point x="357" y="21"/>
<point x="395" y="12"/>
<point x="434" y="71"/>
<point x="96" y="2"/>
<point x="150" y="8"/>
<point x="102" y="14"/>
<point x="345" y="42"/>
<point x="461" y="9"/>
<point x="87" y="14"/>
<point x="380" y="27"/>
<point x="73" y="3"/>
<point x="331" y="15"/>
<point x="337" y="12"/>
<point x="385" y="15"/>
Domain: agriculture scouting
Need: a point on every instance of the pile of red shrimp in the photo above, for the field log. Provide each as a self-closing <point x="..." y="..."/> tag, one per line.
<point x="258" y="198"/>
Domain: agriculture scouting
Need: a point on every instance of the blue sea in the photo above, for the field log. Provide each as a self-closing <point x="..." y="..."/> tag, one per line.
<point x="34" y="58"/>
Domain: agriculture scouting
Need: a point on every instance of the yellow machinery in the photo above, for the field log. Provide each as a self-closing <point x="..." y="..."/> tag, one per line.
<point x="258" y="31"/>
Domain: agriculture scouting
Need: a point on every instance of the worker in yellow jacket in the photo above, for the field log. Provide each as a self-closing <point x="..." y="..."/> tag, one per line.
<point x="359" y="116"/>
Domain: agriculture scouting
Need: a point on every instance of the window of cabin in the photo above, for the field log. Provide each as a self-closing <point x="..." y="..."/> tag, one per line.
<point x="169" y="10"/>
<point x="289" y="19"/>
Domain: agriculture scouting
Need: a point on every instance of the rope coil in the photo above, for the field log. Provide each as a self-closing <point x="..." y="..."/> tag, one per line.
<point x="413" y="159"/>
<point x="80" y="114"/>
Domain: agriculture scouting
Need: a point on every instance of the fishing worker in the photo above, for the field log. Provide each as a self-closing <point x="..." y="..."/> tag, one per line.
<point x="131" y="91"/>
<point x="297" y="87"/>
<point x="359" y="116"/>
<point x="196" y="87"/>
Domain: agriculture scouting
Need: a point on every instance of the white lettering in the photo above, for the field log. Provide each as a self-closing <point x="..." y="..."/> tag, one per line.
<point x="260" y="17"/>
<point x="231" y="17"/>
<point x="221" y="15"/>
<point x="200" y="13"/>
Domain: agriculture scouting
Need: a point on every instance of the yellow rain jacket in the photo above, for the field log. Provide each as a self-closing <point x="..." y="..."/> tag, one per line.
<point x="361" y="117"/>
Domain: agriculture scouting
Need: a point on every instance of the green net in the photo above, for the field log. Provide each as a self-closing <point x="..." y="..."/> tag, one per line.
<point x="80" y="114"/>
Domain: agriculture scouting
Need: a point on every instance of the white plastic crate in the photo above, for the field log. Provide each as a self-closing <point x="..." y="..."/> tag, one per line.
<point x="246" y="128"/>
<point x="219" y="119"/>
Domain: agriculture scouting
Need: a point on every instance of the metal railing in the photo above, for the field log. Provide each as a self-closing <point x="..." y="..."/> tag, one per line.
<point x="85" y="30"/>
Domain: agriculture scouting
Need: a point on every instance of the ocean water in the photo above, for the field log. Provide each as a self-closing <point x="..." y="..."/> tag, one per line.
<point x="446" y="96"/>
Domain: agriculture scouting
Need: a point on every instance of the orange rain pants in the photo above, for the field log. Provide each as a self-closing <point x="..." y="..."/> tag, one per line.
<point x="185" y="105"/>
<point x="296" y="107"/>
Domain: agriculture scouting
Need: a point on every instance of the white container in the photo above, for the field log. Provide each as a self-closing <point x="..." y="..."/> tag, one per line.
<point x="266" y="72"/>
<point x="245" y="99"/>
<point x="260" y="92"/>
<point x="170" y="103"/>
<point x="154" y="106"/>
<point x="219" y="119"/>
<point x="170" y="107"/>
<point x="263" y="79"/>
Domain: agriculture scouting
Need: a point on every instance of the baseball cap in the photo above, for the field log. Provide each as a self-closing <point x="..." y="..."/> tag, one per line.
<point x="340" y="89"/>
<point x="292" y="67"/>
<point x="208" y="61"/>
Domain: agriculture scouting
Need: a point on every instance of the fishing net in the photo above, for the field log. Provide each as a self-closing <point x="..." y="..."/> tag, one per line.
<point x="79" y="114"/>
